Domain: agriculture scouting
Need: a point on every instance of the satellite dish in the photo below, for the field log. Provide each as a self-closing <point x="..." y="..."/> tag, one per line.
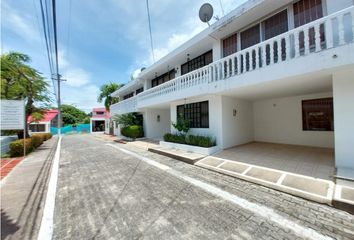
<point x="206" y="12"/>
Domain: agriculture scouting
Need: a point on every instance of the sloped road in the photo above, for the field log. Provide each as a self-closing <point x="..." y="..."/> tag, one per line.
<point x="106" y="193"/>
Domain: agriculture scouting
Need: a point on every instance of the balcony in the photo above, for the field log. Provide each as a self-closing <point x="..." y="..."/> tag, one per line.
<point x="300" y="49"/>
<point x="125" y="106"/>
<point x="266" y="60"/>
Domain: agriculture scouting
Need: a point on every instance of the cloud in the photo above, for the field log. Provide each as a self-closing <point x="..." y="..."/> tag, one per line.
<point x="18" y="23"/>
<point x="84" y="97"/>
<point x="78" y="88"/>
<point x="75" y="76"/>
<point x="172" y="30"/>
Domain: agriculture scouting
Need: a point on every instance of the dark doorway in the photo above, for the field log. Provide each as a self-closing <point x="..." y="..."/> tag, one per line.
<point x="98" y="126"/>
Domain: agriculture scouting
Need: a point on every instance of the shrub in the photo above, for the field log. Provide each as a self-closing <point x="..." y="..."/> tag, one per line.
<point x="47" y="136"/>
<point x="16" y="147"/>
<point x="37" y="140"/>
<point x="200" y="141"/>
<point x="182" y="125"/>
<point x="133" y="131"/>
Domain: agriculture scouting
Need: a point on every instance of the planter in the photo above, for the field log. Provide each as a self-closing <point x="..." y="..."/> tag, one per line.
<point x="190" y="148"/>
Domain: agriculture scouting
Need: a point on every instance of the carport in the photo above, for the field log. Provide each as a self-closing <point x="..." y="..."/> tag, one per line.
<point x="304" y="160"/>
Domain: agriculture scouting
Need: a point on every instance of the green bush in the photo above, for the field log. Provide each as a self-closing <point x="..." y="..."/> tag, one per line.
<point x="47" y="136"/>
<point x="16" y="147"/>
<point x="133" y="131"/>
<point x="200" y="141"/>
<point x="37" y="140"/>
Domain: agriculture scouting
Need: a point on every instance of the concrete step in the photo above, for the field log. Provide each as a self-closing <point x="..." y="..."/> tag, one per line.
<point x="314" y="189"/>
<point x="184" y="156"/>
<point x="344" y="196"/>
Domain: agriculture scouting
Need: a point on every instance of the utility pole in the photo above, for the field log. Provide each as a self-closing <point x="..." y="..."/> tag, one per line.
<point x="58" y="76"/>
<point x="59" y="79"/>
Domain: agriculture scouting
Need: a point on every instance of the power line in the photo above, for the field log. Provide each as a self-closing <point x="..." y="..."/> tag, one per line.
<point x="49" y="20"/>
<point x="152" y="45"/>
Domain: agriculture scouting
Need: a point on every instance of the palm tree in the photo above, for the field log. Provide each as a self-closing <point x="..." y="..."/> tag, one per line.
<point x="105" y="93"/>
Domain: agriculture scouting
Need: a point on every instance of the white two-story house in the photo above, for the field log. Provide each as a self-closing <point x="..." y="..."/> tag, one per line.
<point x="278" y="71"/>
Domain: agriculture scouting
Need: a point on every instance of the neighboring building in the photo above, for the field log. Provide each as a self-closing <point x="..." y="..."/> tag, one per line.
<point x="50" y="119"/>
<point x="99" y="119"/>
<point x="271" y="71"/>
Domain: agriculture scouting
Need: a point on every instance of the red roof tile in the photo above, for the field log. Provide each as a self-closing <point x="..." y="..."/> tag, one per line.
<point x="47" y="116"/>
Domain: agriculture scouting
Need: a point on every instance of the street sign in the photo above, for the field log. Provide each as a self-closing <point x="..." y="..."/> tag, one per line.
<point x="12" y="114"/>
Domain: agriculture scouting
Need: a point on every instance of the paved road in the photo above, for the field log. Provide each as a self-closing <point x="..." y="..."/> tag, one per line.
<point x="104" y="193"/>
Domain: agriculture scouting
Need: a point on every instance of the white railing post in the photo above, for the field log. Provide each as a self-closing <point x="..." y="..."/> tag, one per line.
<point x="257" y="57"/>
<point x="244" y="69"/>
<point x="341" y="30"/>
<point x="329" y="33"/>
<point x="317" y="38"/>
<point x="287" y="48"/>
<point x="279" y="50"/>
<point x="297" y="44"/>
<point x="264" y="55"/>
<point x="251" y="60"/>
<point x="232" y="66"/>
<point x="239" y="64"/>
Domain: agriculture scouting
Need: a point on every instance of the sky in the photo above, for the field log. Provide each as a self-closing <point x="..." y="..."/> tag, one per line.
<point x="102" y="41"/>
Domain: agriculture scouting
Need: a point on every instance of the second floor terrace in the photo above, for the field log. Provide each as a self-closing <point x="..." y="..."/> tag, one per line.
<point x="318" y="45"/>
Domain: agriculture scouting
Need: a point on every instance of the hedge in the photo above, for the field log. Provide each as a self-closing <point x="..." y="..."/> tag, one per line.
<point x="16" y="147"/>
<point x="133" y="131"/>
<point x="200" y="141"/>
<point x="37" y="140"/>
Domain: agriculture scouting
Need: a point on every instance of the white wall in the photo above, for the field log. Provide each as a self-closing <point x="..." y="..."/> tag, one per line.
<point x="343" y="98"/>
<point x="215" y="112"/>
<point x="280" y="121"/>
<point x="154" y="128"/>
<point x="337" y="5"/>
<point x="236" y="129"/>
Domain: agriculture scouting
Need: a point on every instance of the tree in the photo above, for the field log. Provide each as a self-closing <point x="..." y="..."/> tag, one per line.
<point x="72" y="115"/>
<point x="105" y="93"/>
<point x="20" y="81"/>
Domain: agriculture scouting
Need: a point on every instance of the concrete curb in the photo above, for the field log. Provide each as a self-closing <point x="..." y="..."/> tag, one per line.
<point x="314" y="189"/>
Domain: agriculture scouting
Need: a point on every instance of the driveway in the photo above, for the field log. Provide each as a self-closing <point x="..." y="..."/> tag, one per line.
<point x="108" y="190"/>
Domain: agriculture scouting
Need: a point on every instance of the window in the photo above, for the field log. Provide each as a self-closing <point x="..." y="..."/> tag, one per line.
<point x="196" y="113"/>
<point x="276" y="25"/>
<point x="317" y="114"/>
<point x="306" y="11"/>
<point x="250" y="37"/>
<point x="37" y="127"/>
<point x="229" y="45"/>
<point x="128" y="95"/>
<point x="197" y="62"/>
<point x="139" y="90"/>
<point x="163" y="78"/>
<point x="99" y="113"/>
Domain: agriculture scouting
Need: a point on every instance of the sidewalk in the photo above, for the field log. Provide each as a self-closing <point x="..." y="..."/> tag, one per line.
<point x="23" y="193"/>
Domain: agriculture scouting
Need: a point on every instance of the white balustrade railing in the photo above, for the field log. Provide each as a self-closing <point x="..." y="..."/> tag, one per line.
<point x="325" y="33"/>
<point x="125" y="106"/>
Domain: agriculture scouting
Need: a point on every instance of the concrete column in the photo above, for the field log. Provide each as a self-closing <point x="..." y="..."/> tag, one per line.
<point x="343" y="107"/>
<point x="217" y="53"/>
